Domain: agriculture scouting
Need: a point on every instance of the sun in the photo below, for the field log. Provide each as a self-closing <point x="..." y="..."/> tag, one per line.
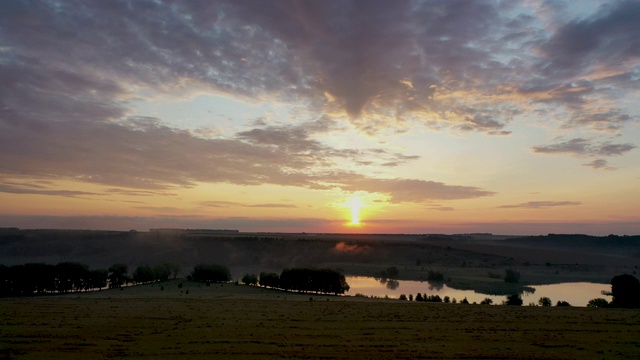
<point x="356" y="205"/>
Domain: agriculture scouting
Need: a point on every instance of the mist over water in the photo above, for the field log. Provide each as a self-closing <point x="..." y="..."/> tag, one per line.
<point x="576" y="293"/>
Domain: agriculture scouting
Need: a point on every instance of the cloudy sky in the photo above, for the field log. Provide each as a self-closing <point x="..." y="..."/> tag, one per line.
<point x="511" y="117"/>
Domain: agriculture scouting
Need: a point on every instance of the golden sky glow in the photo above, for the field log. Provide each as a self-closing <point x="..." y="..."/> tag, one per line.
<point x="516" y="117"/>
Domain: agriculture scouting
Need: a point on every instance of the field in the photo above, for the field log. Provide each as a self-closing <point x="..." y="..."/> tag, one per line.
<point x="235" y="321"/>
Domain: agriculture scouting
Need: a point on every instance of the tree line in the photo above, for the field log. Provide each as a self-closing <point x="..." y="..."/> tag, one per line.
<point x="39" y="278"/>
<point x="307" y="280"/>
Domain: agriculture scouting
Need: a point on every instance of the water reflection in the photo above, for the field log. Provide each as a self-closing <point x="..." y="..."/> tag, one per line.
<point x="388" y="283"/>
<point x="577" y="294"/>
<point x="437" y="286"/>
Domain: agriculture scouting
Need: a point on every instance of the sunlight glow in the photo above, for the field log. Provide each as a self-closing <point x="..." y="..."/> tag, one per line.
<point x="355" y="210"/>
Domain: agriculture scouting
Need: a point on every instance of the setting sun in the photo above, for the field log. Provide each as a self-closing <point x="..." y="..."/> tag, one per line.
<point x="355" y="210"/>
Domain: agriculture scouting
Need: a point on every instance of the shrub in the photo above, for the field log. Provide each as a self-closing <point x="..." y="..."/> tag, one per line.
<point x="544" y="301"/>
<point x="514" y="300"/>
<point x="598" y="303"/>
<point x="626" y="291"/>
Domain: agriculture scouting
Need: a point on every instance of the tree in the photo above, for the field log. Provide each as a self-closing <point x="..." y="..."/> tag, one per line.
<point x="402" y="297"/>
<point x="626" y="291"/>
<point x="211" y="273"/>
<point x="250" y="279"/>
<point x="511" y="276"/>
<point x="598" y="303"/>
<point x="98" y="278"/>
<point x="144" y="274"/>
<point x="313" y="280"/>
<point x="71" y="276"/>
<point x="269" y="280"/>
<point x="464" y="301"/>
<point x="514" y="300"/>
<point x="446" y="299"/>
<point x="418" y="297"/>
<point x="486" y="301"/>
<point x="562" y="303"/>
<point x="544" y="301"/>
<point x="118" y="275"/>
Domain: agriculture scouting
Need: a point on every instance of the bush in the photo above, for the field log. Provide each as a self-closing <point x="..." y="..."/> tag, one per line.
<point x="544" y="301"/>
<point x="562" y="303"/>
<point x="626" y="291"/>
<point x="514" y="300"/>
<point x="598" y="303"/>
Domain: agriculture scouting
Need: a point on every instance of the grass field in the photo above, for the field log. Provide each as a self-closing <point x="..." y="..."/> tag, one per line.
<point x="230" y="321"/>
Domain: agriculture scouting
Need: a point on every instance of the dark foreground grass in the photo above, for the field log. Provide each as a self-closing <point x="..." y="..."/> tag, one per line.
<point x="248" y="323"/>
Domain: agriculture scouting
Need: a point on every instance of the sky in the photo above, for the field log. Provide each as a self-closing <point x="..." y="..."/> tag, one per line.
<point x="509" y="117"/>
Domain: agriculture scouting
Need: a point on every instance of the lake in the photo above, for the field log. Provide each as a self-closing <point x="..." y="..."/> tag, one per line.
<point x="576" y="294"/>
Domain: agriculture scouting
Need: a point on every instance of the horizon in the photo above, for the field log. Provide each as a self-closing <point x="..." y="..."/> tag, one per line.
<point x="376" y="117"/>
<point x="239" y="231"/>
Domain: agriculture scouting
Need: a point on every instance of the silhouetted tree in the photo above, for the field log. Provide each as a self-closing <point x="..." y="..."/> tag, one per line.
<point x="514" y="300"/>
<point x="98" y="278"/>
<point x="626" y="291"/>
<point x="598" y="303"/>
<point x="402" y="297"/>
<point x="486" y="301"/>
<point x="418" y="297"/>
<point x="211" y="273"/>
<point x="544" y="301"/>
<point x="250" y="279"/>
<point x="143" y="274"/>
<point x="118" y="275"/>
<point x="71" y="276"/>
<point x="313" y="280"/>
<point x="269" y="280"/>
<point x="464" y="301"/>
<point x="562" y="303"/>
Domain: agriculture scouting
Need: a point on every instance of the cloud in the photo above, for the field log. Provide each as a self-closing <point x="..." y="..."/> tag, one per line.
<point x="411" y="190"/>
<point x="609" y="37"/>
<point x="599" y="164"/>
<point x="34" y="189"/>
<point x="540" y="204"/>
<point x="584" y="147"/>
<point x="67" y="84"/>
